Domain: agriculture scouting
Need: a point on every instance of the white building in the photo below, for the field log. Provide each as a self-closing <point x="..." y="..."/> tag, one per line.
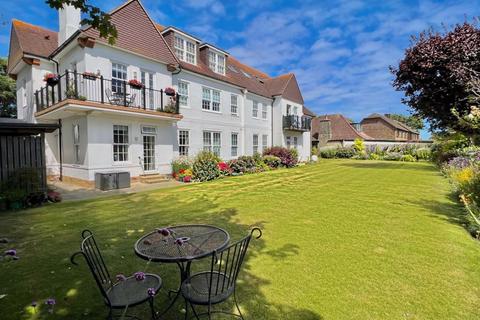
<point x="109" y="124"/>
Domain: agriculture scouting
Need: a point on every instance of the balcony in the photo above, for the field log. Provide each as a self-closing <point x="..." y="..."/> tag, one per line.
<point x="113" y="94"/>
<point x="297" y="123"/>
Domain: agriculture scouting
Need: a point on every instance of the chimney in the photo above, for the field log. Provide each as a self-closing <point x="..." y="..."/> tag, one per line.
<point x="69" y="21"/>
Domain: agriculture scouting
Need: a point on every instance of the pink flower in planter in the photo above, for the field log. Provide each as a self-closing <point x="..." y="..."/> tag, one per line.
<point x="187" y="179"/>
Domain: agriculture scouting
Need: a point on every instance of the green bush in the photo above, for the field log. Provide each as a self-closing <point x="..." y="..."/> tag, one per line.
<point x="288" y="157"/>
<point x="181" y="163"/>
<point x="408" y="158"/>
<point x="314" y="151"/>
<point x="344" y="153"/>
<point x="393" y="156"/>
<point x="205" y="166"/>
<point x="244" y="164"/>
<point x="423" y="154"/>
<point x="446" y="148"/>
<point x="374" y="156"/>
<point x="359" y="146"/>
<point x="328" y="153"/>
<point x="272" y="161"/>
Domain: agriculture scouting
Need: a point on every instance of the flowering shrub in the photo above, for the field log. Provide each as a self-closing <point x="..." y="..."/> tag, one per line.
<point x="288" y="157"/>
<point x="182" y="163"/>
<point x="185" y="175"/>
<point x="272" y="161"/>
<point x="408" y="158"/>
<point x="205" y="166"/>
<point x="224" y="168"/>
<point x="244" y="164"/>
<point x="393" y="156"/>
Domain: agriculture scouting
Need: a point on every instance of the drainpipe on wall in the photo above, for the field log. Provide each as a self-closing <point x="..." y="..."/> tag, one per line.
<point x="271" y="125"/>
<point x="60" y="147"/>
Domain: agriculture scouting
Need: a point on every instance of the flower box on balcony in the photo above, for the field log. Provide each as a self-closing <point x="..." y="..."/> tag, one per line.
<point x="169" y="91"/>
<point x="89" y="76"/>
<point x="135" y="84"/>
<point x="51" y="79"/>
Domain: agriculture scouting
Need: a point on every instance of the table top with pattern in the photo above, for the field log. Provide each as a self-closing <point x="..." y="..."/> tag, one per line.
<point x="181" y="243"/>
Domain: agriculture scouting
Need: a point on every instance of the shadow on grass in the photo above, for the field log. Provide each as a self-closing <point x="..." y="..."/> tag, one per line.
<point x="391" y="165"/>
<point x="117" y="223"/>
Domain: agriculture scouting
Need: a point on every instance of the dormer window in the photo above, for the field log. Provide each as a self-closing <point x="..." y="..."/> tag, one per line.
<point x="185" y="49"/>
<point x="216" y="62"/>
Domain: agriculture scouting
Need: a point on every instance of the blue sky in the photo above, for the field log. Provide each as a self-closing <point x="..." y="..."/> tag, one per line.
<point x="339" y="50"/>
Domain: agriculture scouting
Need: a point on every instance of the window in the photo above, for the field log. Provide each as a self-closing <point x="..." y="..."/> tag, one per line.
<point x="149" y="130"/>
<point x="232" y="68"/>
<point x="264" y="111"/>
<point x="216" y="62"/>
<point x="119" y="76"/>
<point x="76" y="143"/>
<point x="120" y="143"/>
<point x="234" y="104"/>
<point x="234" y="144"/>
<point x="255" y="109"/>
<point x="295" y="110"/>
<point x="185" y="50"/>
<point x="210" y="99"/>
<point x="147" y="79"/>
<point x="183" y="142"/>
<point x="295" y="142"/>
<point x="289" y="142"/>
<point x="183" y="92"/>
<point x="255" y="143"/>
<point x="289" y="109"/>
<point x="264" y="142"/>
<point x="211" y="142"/>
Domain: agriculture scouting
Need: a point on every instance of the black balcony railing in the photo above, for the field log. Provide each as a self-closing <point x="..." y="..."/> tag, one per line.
<point x="297" y="123"/>
<point x="93" y="88"/>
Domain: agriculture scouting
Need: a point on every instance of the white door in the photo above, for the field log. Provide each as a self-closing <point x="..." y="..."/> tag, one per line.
<point x="148" y="153"/>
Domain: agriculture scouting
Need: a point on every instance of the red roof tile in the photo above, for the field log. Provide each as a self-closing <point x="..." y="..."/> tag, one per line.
<point x="341" y="128"/>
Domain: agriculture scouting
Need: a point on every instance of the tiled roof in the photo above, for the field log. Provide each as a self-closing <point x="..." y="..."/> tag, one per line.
<point x="307" y="112"/>
<point x="27" y="38"/>
<point x="137" y="33"/>
<point x="340" y="127"/>
<point x="394" y="123"/>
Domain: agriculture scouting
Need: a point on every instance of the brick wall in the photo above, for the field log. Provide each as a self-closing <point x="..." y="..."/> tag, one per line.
<point x="378" y="129"/>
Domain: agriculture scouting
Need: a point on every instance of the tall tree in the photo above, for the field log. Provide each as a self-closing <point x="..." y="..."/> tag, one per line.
<point x="95" y="17"/>
<point x="8" y="94"/>
<point x="436" y="75"/>
<point x="414" y="122"/>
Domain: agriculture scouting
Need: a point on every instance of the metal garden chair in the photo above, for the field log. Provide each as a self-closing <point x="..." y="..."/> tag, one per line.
<point x="215" y="286"/>
<point x="123" y="293"/>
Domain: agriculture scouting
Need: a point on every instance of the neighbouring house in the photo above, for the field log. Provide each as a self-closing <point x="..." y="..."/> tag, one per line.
<point x="116" y="106"/>
<point x="382" y="127"/>
<point x="334" y="130"/>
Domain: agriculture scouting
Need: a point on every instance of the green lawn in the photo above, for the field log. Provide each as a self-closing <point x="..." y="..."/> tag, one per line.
<point x="342" y="240"/>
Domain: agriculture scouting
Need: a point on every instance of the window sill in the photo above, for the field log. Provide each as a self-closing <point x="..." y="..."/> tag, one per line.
<point x="211" y="111"/>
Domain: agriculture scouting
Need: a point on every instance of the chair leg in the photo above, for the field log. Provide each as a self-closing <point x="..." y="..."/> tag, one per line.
<point x="236" y="304"/>
<point x="152" y="309"/>
<point x="195" y="312"/>
<point x="186" y="309"/>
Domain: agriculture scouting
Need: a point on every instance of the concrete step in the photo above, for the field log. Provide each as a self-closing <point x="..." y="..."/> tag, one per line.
<point x="153" y="178"/>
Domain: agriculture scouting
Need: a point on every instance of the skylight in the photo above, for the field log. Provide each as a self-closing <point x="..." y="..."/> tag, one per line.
<point x="246" y="74"/>
<point x="232" y="68"/>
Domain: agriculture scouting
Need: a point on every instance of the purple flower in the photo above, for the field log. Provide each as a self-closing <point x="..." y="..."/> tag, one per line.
<point x="120" y="277"/>
<point x="50" y="302"/>
<point x="151" y="292"/>
<point x="164" y="232"/>
<point x="11" y="252"/>
<point x="139" y="276"/>
<point x="459" y="162"/>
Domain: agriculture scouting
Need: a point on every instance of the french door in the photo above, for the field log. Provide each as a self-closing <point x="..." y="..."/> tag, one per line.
<point x="148" y="153"/>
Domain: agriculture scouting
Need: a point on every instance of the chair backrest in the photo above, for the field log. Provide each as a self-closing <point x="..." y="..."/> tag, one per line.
<point x="89" y="250"/>
<point x="228" y="263"/>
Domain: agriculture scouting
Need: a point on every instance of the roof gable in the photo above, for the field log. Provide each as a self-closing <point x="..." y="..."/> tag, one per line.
<point x="392" y="122"/>
<point x="286" y="86"/>
<point x="341" y="128"/>
<point x="137" y="33"/>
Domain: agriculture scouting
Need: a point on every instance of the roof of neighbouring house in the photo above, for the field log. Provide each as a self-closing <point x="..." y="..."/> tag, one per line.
<point x="17" y="126"/>
<point x="341" y="128"/>
<point x="308" y="112"/>
<point x="139" y="34"/>
<point x="394" y="123"/>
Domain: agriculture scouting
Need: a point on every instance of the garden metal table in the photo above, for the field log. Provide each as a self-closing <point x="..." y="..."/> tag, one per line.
<point x="181" y="245"/>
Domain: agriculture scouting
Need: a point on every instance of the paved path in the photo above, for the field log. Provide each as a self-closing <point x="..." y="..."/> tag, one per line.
<point x="71" y="192"/>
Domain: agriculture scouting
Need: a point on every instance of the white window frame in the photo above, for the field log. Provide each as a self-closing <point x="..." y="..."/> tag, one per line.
<point x="209" y="103"/>
<point x="234" y="144"/>
<point x="216" y="61"/>
<point x="234" y="106"/>
<point x="289" y="142"/>
<point x="185" y="144"/>
<point x="264" y="142"/>
<point x="76" y="143"/>
<point x="127" y="144"/>
<point x="183" y="49"/>
<point x="183" y="95"/>
<point x="255" y="108"/>
<point x="118" y="68"/>
<point x="295" y="142"/>
<point x="255" y="143"/>
<point x="210" y="143"/>
<point x="264" y="111"/>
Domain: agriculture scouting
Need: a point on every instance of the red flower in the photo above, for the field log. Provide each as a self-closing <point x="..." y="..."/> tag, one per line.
<point x="182" y="171"/>
<point x="223" y="166"/>
<point x="187" y="179"/>
<point x="169" y="91"/>
<point x="135" y="83"/>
